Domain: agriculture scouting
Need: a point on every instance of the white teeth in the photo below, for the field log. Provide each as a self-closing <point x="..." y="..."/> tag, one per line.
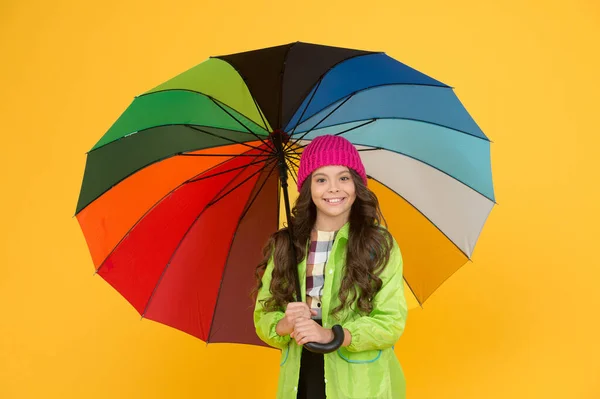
<point x="334" y="200"/>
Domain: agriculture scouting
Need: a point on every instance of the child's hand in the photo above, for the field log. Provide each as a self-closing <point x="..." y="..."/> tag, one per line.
<point x="308" y="330"/>
<point x="294" y="311"/>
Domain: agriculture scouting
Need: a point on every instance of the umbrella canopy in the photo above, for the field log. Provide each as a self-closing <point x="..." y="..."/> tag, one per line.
<point x="182" y="192"/>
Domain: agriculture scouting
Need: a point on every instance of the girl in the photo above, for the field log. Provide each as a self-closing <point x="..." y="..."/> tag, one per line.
<point x="350" y="270"/>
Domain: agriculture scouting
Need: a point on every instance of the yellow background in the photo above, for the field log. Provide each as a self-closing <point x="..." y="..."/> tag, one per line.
<point x="517" y="322"/>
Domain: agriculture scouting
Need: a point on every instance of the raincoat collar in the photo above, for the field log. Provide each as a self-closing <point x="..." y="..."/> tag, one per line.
<point x="344" y="231"/>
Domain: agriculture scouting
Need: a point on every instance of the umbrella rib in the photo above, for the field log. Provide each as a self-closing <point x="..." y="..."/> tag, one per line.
<point x="167" y="156"/>
<point x="355" y="127"/>
<point x="194" y="179"/>
<point x="307" y="105"/>
<point x="179" y="245"/>
<point x="257" y="107"/>
<point x="423" y="162"/>
<point x="436" y="168"/>
<point x="157" y="202"/>
<point x="214" y="201"/>
<point x="195" y="127"/>
<point x="349" y="130"/>
<point x="408" y="119"/>
<point x="413" y="292"/>
<point x="294" y="164"/>
<point x="443" y="281"/>
<point x="382" y="85"/>
<point x="247" y="208"/>
<point x="224" y="155"/>
<point x="292" y="171"/>
<point x="295" y="158"/>
<point x="320" y="80"/>
<point x="202" y="94"/>
<point x="259" y="190"/>
<point x="291" y="153"/>
<point x="415" y="120"/>
<point x="155" y="161"/>
<point x="281" y="75"/>
<point x="326" y="116"/>
<point x="418" y="210"/>
<point x="404" y="277"/>
<point x="240" y="122"/>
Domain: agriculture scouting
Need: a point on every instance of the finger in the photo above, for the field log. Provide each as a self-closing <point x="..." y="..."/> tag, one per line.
<point x="300" y="333"/>
<point x="299" y="308"/>
<point x="297" y="305"/>
<point x="301" y="330"/>
<point x="292" y="310"/>
<point x="301" y="312"/>
<point x="300" y="321"/>
<point x="301" y="325"/>
<point x="305" y="340"/>
<point x="304" y="314"/>
<point x="306" y="322"/>
<point x="296" y="316"/>
<point x="297" y="331"/>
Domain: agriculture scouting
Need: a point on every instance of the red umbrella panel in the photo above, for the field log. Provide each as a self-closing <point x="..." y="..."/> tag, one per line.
<point x="184" y="254"/>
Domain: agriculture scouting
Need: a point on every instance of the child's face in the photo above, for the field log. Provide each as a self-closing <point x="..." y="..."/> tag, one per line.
<point x="333" y="191"/>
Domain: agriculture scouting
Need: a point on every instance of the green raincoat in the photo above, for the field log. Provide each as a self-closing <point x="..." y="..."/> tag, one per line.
<point x="368" y="367"/>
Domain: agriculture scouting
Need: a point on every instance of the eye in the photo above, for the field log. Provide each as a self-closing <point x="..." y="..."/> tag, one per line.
<point x="320" y="180"/>
<point x="345" y="178"/>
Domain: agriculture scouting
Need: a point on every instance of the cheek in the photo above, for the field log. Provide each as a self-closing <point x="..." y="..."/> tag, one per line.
<point x="313" y="191"/>
<point x="352" y="195"/>
<point x="318" y="189"/>
<point x="315" y="194"/>
<point x="351" y="190"/>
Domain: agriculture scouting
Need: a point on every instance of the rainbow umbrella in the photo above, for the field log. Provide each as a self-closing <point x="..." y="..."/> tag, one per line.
<point x="181" y="193"/>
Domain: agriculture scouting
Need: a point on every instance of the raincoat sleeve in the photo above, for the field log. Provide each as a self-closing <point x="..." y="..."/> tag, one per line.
<point x="382" y="328"/>
<point x="265" y="322"/>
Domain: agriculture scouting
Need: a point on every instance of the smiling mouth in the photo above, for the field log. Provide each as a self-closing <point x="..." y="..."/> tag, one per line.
<point x="334" y="201"/>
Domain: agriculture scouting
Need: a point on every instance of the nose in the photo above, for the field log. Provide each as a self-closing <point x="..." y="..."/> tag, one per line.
<point x="333" y="188"/>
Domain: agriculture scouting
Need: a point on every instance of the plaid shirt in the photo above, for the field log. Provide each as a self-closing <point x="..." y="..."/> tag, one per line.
<point x="320" y="248"/>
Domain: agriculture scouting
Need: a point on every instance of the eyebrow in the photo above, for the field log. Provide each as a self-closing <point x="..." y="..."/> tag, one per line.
<point x="323" y="174"/>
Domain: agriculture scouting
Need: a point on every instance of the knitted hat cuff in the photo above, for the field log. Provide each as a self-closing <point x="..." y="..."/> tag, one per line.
<point x="329" y="150"/>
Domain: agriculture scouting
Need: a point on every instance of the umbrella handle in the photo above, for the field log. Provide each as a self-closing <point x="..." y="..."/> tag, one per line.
<point x="338" y="340"/>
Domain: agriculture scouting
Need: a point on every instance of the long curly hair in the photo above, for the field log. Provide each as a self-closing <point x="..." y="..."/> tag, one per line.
<point x="368" y="251"/>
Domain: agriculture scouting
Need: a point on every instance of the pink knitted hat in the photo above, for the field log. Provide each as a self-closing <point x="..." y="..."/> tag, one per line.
<point x="329" y="150"/>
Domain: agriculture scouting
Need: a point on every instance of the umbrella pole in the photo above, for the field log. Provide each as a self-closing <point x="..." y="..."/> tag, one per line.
<point x="338" y="331"/>
<point x="277" y="138"/>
